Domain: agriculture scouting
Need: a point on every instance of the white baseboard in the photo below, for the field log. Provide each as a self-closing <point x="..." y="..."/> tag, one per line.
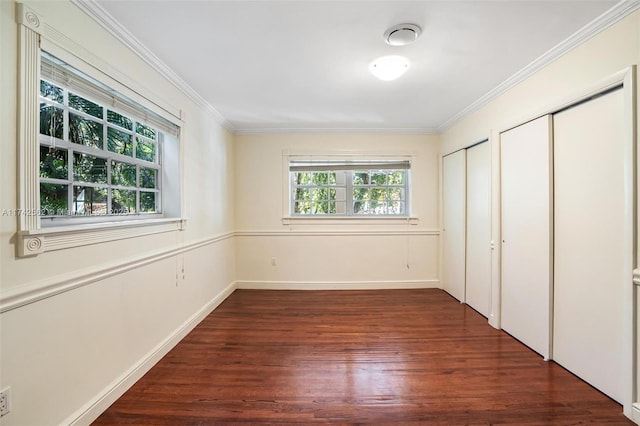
<point x="635" y="413"/>
<point x="96" y="406"/>
<point x="337" y="285"/>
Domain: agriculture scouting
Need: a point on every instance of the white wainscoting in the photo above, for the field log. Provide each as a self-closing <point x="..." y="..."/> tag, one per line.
<point x="24" y="295"/>
<point x="92" y="409"/>
<point x="337" y="259"/>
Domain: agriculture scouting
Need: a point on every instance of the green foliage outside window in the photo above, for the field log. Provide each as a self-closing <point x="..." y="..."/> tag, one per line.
<point x="78" y="159"/>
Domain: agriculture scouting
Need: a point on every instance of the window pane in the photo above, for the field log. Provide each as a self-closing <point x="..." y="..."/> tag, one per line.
<point x="302" y="178"/>
<point x="81" y="104"/>
<point x="51" y="121"/>
<point x="53" y="163"/>
<point x="319" y="194"/>
<point x="147" y="178"/>
<point x="395" y="207"/>
<point x="143" y="130"/>
<point x="360" y="207"/>
<point x="302" y="207"/>
<point x="123" y="174"/>
<point x="396" y="194"/>
<point x="148" y="202"/>
<point x="302" y="194"/>
<point x="85" y="132"/>
<point x="379" y="178"/>
<point x="119" y="142"/>
<point x="396" y="178"/>
<point x="87" y="168"/>
<point x="53" y="199"/>
<point x="50" y="91"/>
<point x="378" y="207"/>
<point x="360" y="194"/>
<point x="119" y="120"/>
<point x="360" y="178"/>
<point x="378" y="194"/>
<point x="323" y="178"/>
<point x="145" y="150"/>
<point x="123" y="201"/>
<point x="320" y="207"/>
<point x="89" y="201"/>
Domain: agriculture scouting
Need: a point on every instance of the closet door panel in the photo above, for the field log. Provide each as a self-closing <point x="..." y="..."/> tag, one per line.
<point x="478" y="281"/>
<point x="590" y="250"/>
<point x="454" y="218"/>
<point x="526" y="233"/>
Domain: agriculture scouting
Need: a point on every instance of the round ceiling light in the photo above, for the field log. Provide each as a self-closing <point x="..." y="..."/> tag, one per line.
<point x="402" y="34"/>
<point x="389" y="68"/>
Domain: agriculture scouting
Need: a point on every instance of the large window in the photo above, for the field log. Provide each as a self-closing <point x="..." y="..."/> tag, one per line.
<point x="349" y="188"/>
<point x="100" y="155"/>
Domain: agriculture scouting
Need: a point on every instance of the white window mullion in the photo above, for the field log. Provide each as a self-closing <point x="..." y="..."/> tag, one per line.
<point x="70" y="185"/>
<point x="349" y="194"/>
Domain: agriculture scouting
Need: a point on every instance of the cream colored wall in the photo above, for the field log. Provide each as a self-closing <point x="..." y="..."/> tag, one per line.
<point x="332" y="254"/>
<point x="67" y="356"/>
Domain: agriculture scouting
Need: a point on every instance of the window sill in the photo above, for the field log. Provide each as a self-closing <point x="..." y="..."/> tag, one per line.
<point x="38" y="241"/>
<point x="349" y="220"/>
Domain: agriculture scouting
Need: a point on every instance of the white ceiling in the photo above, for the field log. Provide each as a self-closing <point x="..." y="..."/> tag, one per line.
<point x="302" y="65"/>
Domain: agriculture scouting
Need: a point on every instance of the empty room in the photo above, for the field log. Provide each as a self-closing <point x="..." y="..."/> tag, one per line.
<point x="338" y="212"/>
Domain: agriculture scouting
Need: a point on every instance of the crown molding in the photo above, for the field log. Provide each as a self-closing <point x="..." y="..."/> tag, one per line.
<point x="604" y="21"/>
<point x="338" y="130"/>
<point x="109" y="23"/>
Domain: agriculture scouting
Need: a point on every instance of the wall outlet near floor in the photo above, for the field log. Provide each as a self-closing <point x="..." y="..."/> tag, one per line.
<point x="5" y="401"/>
<point x="273" y="261"/>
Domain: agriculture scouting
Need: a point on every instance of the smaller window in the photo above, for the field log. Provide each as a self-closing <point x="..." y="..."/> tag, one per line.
<point x="349" y="188"/>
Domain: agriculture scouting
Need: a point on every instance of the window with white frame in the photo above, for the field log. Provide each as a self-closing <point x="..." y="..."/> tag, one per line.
<point x="354" y="188"/>
<point x="100" y="153"/>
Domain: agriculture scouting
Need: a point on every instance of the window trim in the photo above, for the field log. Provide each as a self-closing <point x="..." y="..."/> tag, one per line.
<point x="349" y="187"/>
<point x="101" y="152"/>
<point x="32" y="239"/>
<point x="345" y="156"/>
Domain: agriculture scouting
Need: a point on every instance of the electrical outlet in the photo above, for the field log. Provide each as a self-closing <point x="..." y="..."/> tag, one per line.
<point x="273" y="261"/>
<point x="5" y="401"/>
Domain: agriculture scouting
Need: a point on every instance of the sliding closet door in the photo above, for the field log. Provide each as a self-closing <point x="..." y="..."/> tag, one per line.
<point x="526" y="233"/>
<point x="591" y="252"/>
<point x="453" y="229"/>
<point x="478" y="282"/>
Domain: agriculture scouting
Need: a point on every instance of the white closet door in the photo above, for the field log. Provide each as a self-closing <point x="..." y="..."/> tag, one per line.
<point x="590" y="248"/>
<point x="453" y="228"/>
<point x="526" y="233"/>
<point x="478" y="282"/>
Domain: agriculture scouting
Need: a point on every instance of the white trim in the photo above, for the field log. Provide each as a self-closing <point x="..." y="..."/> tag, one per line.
<point x="337" y="233"/>
<point x="336" y="285"/>
<point x="110" y="24"/>
<point x="350" y="220"/>
<point x="31" y="242"/>
<point x="24" y="295"/>
<point x="613" y="15"/>
<point x="29" y="30"/>
<point x="635" y="413"/>
<point x="630" y="172"/>
<point x="97" y="405"/>
<point x="338" y="130"/>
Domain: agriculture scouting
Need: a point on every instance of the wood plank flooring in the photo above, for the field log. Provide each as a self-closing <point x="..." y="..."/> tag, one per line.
<point x="354" y="357"/>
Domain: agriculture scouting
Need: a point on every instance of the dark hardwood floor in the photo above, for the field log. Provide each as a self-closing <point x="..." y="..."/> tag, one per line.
<point x="345" y="357"/>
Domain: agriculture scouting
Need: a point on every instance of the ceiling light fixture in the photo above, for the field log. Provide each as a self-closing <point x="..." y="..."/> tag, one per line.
<point x="402" y="34"/>
<point x="389" y="68"/>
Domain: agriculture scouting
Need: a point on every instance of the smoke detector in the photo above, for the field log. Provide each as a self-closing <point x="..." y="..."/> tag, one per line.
<point x="402" y="34"/>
